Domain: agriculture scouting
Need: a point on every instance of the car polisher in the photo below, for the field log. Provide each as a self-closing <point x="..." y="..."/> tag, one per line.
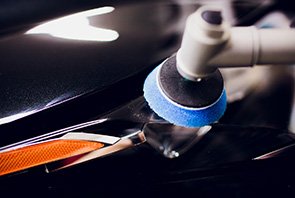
<point x="187" y="89"/>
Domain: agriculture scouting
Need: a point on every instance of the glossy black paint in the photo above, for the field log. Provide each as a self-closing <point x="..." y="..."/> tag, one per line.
<point x="222" y="160"/>
<point x="40" y="70"/>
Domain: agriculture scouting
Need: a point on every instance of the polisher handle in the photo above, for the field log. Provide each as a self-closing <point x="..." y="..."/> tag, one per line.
<point x="250" y="46"/>
<point x="209" y="42"/>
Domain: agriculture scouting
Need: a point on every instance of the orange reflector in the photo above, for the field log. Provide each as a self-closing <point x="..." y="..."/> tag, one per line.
<point x="42" y="153"/>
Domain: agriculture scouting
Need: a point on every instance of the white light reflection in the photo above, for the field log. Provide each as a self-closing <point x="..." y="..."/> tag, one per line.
<point x="12" y="118"/>
<point x="77" y="27"/>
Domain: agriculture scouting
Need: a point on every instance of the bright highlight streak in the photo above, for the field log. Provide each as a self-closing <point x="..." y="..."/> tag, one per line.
<point x="15" y="117"/>
<point x="77" y="27"/>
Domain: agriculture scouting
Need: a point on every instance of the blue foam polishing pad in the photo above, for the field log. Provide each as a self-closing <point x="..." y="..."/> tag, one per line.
<point x="178" y="114"/>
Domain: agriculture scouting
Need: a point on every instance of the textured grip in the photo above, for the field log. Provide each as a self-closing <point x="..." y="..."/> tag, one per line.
<point x="42" y="153"/>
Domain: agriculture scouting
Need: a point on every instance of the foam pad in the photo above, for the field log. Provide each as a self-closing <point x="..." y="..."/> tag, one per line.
<point x="176" y="113"/>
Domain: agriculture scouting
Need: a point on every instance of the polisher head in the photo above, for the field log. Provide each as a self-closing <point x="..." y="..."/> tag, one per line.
<point x="184" y="102"/>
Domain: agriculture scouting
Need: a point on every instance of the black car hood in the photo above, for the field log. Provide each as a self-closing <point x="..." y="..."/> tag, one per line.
<point x="40" y="70"/>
